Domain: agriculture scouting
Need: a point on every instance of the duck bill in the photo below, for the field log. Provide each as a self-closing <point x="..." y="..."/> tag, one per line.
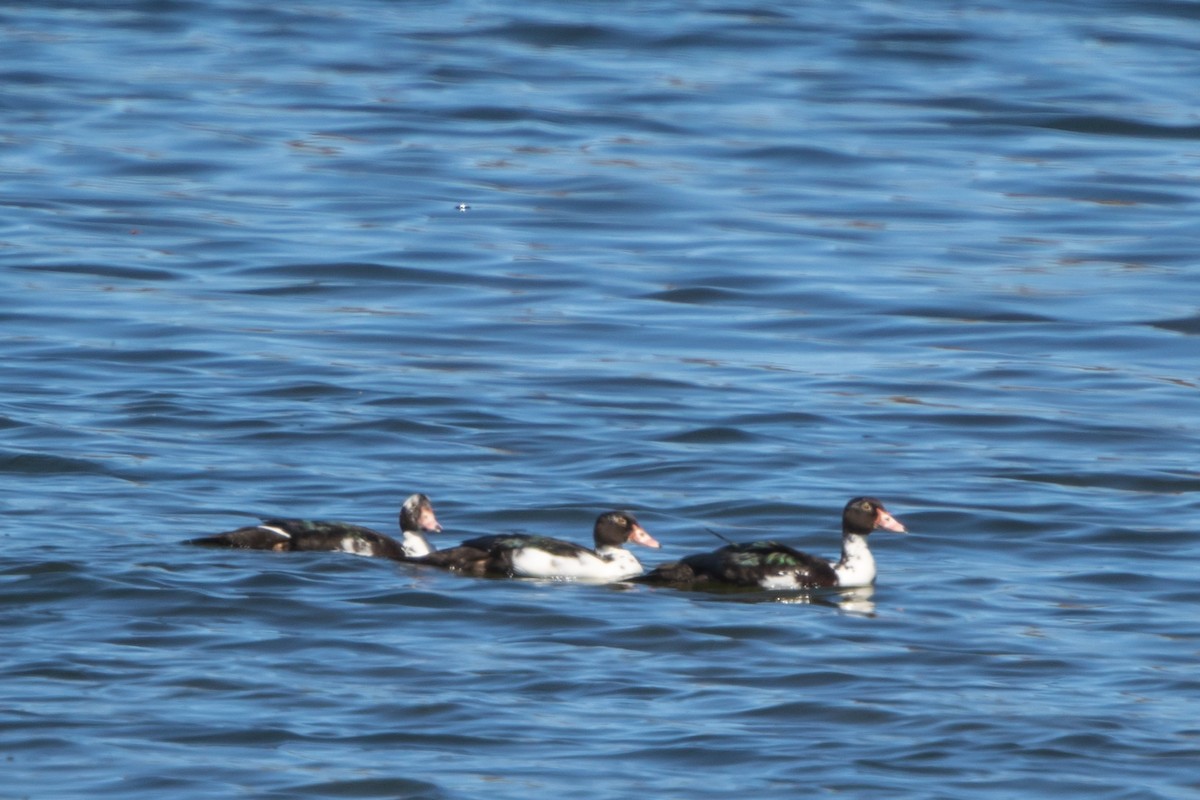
<point x="639" y="536"/>
<point x="885" y="521"/>
<point x="428" y="521"/>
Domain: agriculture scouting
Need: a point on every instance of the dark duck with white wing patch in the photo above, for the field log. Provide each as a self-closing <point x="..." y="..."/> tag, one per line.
<point x="416" y="516"/>
<point x="771" y="565"/>
<point x="517" y="555"/>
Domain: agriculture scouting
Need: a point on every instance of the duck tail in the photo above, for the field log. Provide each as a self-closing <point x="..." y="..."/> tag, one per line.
<point x="721" y="536"/>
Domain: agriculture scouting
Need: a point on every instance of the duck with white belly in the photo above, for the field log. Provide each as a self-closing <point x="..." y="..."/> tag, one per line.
<point x="517" y="555"/>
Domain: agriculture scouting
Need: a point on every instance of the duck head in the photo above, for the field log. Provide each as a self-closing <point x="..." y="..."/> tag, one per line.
<point x="417" y="515"/>
<point x="865" y="514"/>
<point x="615" y="528"/>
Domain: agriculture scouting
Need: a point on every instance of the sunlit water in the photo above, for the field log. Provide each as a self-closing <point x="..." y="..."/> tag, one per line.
<point x="722" y="265"/>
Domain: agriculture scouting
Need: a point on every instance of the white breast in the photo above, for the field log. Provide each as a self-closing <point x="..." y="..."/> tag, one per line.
<point x="415" y="545"/>
<point x="857" y="567"/>
<point x="273" y="529"/>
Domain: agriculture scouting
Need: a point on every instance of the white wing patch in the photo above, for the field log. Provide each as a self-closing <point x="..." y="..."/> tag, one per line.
<point x="273" y="529"/>
<point x="354" y="546"/>
<point x="787" y="580"/>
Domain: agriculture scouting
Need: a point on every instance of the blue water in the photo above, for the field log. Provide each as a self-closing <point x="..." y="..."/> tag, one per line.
<point x="723" y="264"/>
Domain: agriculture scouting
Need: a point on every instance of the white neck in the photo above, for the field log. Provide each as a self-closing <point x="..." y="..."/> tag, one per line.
<point x="415" y="544"/>
<point x="857" y="566"/>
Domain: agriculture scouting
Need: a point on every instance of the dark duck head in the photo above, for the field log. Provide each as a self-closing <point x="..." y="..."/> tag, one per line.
<point x="614" y="528"/>
<point x="416" y="517"/>
<point x="865" y="514"/>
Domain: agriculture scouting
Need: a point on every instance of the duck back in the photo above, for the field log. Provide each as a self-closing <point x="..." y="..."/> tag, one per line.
<point x="499" y="554"/>
<point x="762" y="564"/>
<point x="301" y="534"/>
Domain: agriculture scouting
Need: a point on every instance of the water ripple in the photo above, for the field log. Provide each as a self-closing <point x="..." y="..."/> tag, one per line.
<point x="725" y="266"/>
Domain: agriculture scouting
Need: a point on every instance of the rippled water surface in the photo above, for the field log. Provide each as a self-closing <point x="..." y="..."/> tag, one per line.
<point x="725" y="265"/>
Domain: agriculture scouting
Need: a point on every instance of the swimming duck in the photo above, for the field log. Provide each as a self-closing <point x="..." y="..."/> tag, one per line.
<point x="517" y="555"/>
<point x="416" y="515"/>
<point x="771" y="565"/>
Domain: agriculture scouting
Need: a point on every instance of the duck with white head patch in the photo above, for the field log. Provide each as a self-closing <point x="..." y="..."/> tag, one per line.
<point x="771" y="565"/>
<point x="517" y="555"/>
<point x="416" y="517"/>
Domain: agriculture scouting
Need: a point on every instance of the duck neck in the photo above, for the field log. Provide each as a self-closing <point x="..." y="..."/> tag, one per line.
<point x="415" y="544"/>
<point x="857" y="565"/>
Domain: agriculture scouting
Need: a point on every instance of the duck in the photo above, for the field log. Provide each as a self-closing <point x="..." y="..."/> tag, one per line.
<point x="416" y="517"/>
<point x="518" y="555"/>
<point x="774" y="566"/>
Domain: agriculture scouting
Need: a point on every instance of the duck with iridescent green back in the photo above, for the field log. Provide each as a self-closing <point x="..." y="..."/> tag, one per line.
<point x="771" y="565"/>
